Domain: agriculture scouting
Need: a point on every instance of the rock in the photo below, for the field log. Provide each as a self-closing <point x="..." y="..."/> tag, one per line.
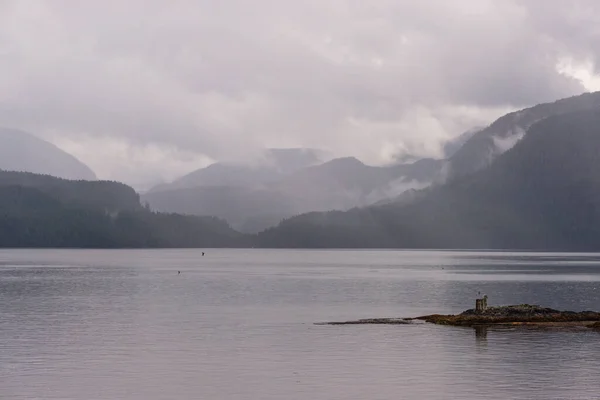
<point x="517" y="310"/>
<point x="514" y="315"/>
<point x="522" y="314"/>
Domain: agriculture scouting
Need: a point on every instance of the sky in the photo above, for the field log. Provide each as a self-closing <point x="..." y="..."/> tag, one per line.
<point x="147" y="90"/>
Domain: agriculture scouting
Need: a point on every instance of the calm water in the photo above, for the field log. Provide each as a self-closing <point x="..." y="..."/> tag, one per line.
<point x="238" y="324"/>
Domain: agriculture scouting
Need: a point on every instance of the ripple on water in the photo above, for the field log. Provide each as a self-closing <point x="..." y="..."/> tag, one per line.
<point x="124" y="325"/>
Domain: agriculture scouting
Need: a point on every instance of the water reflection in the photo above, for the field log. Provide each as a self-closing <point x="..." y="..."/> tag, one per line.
<point x="481" y="333"/>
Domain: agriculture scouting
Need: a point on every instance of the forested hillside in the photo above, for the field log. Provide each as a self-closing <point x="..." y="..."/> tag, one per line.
<point x="106" y="195"/>
<point x="484" y="146"/>
<point x="43" y="211"/>
<point x="542" y="194"/>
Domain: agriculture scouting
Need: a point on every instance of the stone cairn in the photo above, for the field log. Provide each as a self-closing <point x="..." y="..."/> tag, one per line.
<point x="481" y="304"/>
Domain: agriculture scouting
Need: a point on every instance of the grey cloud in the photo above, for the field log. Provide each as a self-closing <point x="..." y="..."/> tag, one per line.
<point x="222" y="79"/>
<point x="571" y="27"/>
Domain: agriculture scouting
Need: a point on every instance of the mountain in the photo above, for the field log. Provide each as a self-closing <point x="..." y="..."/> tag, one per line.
<point x="273" y="165"/>
<point x="544" y="193"/>
<point x="246" y="209"/>
<point x="346" y="182"/>
<point x="287" y="161"/>
<point x="109" y="196"/>
<point x="337" y="184"/>
<point x="219" y="174"/>
<point x="487" y="144"/>
<point x="21" y="151"/>
<point x="452" y="146"/>
<point x="44" y="211"/>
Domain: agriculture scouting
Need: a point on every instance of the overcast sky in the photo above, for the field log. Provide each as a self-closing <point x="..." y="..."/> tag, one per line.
<point x="144" y="89"/>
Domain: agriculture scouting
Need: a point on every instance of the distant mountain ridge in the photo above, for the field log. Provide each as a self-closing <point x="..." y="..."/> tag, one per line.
<point x="271" y="166"/>
<point x="542" y="194"/>
<point x="21" y="151"/>
<point x="253" y="199"/>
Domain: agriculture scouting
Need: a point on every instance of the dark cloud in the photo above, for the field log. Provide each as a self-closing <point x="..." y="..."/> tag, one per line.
<point x="178" y="83"/>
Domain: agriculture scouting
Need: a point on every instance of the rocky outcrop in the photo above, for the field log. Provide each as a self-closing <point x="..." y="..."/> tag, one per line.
<point x="522" y="314"/>
<point x="514" y="315"/>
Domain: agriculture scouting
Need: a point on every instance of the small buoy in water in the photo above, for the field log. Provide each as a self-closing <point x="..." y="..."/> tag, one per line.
<point x="202" y="254"/>
<point x="178" y="272"/>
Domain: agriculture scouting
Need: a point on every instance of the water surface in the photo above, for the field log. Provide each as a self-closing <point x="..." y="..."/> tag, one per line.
<point x="238" y="324"/>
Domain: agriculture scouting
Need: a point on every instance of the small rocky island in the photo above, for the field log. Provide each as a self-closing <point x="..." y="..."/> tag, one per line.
<point x="482" y="315"/>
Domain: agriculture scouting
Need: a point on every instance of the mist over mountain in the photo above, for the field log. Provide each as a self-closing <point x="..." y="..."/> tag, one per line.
<point x="246" y="209"/>
<point x="271" y="166"/>
<point x="347" y="182"/>
<point x="415" y="103"/>
<point x="21" y="151"/>
<point x="452" y="146"/>
<point x="487" y="144"/>
<point x="543" y="193"/>
<point x="253" y="198"/>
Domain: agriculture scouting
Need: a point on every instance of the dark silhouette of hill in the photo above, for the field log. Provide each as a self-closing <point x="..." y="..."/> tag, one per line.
<point x="110" y="196"/>
<point x="44" y="211"/>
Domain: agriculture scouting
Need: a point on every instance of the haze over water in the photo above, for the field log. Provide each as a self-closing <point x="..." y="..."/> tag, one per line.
<point x="239" y="324"/>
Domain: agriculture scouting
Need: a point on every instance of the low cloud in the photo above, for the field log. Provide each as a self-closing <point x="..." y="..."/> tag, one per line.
<point x="169" y="82"/>
<point x="504" y="143"/>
